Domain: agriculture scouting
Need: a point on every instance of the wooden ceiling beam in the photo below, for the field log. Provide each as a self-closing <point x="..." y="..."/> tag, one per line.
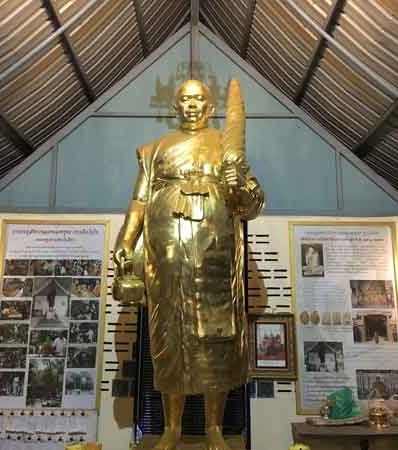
<point x="70" y="50"/>
<point x="377" y="131"/>
<point x="194" y="43"/>
<point x="15" y="135"/>
<point x="248" y="28"/>
<point x="317" y="53"/>
<point x="206" y="20"/>
<point x="141" y="27"/>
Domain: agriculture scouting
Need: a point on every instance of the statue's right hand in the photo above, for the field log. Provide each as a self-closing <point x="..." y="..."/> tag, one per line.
<point x="127" y="288"/>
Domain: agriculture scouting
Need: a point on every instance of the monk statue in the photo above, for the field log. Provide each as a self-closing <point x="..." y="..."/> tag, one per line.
<point x="193" y="190"/>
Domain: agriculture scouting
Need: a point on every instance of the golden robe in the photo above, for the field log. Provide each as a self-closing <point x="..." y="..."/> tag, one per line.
<point x="193" y="263"/>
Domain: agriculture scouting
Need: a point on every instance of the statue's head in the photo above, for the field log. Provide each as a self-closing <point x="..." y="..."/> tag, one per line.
<point x="193" y="105"/>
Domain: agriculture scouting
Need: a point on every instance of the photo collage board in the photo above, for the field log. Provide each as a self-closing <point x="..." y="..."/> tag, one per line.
<point x="51" y="314"/>
<point x="346" y="311"/>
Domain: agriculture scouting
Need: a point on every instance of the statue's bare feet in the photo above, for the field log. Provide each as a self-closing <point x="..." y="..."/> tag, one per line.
<point x="215" y="440"/>
<point x="169" y="439"/>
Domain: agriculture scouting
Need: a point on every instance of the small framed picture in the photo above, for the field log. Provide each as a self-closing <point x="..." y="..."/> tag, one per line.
<point x="273" y="347"/>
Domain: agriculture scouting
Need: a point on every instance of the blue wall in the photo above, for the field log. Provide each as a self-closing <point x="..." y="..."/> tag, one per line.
<point x="30" y="190"/>
<point x="93" y="168"/>
<point x="102" y="177"/>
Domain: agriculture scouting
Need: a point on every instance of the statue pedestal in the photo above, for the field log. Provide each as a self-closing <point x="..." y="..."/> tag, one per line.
<point x="190" y="443"/>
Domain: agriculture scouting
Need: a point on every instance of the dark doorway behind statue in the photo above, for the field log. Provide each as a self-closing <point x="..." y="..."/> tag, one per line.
<point x="148" y="416"/>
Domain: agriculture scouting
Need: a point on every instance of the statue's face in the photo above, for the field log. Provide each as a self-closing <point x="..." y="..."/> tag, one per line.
<point x="193" y="105"/>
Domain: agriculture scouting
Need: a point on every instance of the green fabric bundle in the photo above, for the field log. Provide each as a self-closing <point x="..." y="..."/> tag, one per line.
<point x="343" y="405"/>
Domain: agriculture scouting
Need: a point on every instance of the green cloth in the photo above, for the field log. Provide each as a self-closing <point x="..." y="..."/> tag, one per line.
<point x="343" y="405"/>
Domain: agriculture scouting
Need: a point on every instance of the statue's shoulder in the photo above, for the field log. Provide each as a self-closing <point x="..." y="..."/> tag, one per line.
<point x="177" y="136"/>
<point x="213" y="133"/>
<point x="147" y="152"/>
<point x="213" y="130"/>
<point x="144" y="152"/>
<point x="160" y="141"/>
<point x="172" y="138"/>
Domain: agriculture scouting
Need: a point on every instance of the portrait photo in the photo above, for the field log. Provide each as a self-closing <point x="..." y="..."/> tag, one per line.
<point x="312" y="260"/>
<point x="12" y="384"/>
<point x="377" y="384"/>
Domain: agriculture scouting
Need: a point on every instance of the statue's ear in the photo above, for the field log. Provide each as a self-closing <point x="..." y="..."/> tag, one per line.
<point x="211" y="109"/>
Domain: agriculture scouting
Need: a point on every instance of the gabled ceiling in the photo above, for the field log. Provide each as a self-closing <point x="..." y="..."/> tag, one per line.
<point x="336" y="59"/>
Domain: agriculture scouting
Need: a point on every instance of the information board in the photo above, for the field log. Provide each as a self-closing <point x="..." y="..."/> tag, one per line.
<point x="346" y="315"/>
<point x="51" y="314"/>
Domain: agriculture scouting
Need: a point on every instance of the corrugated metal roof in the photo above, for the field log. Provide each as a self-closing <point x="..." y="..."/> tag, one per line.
<point x="10" y="156"/>
<point x="229" y="18"/>
<point x="107" y="41"/>
<point x="348" y="92"/>
<point x="337" y="59"/>
<point x="160" y="17"/>
<point x="65" y="74"/>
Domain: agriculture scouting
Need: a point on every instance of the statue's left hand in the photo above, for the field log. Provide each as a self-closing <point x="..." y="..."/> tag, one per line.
<point x="244" y="194"/>
<point x="232" y="175"/>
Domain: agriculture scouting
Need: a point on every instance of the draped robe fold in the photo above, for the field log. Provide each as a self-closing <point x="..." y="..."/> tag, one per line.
<point x="193" y="265"/>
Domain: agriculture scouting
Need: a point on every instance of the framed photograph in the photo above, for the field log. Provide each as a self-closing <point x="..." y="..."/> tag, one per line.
<point x="273" y="347"/>
<point x="312" y="260"/>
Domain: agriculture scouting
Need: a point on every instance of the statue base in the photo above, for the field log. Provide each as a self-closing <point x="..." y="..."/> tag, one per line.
<point x="149" y="441"/>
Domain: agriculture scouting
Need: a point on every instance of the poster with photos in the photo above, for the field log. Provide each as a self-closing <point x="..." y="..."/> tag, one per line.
<point x="50" y="314"/>
<point x="346" y="309"/>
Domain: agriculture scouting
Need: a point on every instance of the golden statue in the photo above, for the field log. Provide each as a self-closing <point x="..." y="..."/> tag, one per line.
<point x="299" y="447"/>
<point x="193" y="189"/>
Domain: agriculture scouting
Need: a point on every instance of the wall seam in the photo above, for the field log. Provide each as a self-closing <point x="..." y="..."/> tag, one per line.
<point x="53" y="177"/>
<point x="267" y="212"/>
<point x="339" y="182"/>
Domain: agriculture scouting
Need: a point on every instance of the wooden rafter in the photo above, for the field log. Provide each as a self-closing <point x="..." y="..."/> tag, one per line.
<point x="248" y="27"/>
<point x="141" y="27"/>
<point x="15" y="135"/>
<point x="378" y="130"/>
<point x="70" y="50"/>
<point x="194" y="44"/>
<point x="331" y="22"/>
